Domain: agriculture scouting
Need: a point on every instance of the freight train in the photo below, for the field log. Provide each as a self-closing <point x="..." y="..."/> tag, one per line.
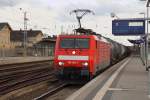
<point x="82" y="56"/>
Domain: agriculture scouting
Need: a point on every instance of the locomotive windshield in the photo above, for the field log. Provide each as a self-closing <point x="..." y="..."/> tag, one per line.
<point x="72" y="43"/>
<point x="67" y="43"/>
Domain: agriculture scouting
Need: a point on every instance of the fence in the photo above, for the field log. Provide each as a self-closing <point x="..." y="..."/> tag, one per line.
<point x="31" y="51"/>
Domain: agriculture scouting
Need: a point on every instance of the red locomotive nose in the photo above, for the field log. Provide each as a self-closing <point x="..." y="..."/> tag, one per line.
<point x="73" y="60"/>
<point x="82" y="55"/>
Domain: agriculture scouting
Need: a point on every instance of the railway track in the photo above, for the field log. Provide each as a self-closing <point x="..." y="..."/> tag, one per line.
<point x="16" y="76"/>
<point x="54" y="90"/>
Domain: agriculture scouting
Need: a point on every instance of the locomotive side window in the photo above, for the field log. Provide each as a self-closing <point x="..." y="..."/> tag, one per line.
<point x="67" y="43"/>
<point x="72" y="43"/>
<point x="82" y="43"/>
<point x="96" y="43"/>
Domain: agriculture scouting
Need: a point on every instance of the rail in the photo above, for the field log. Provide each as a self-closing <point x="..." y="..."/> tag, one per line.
<point x="20" y="75"/>
<point x="51" y="92"/>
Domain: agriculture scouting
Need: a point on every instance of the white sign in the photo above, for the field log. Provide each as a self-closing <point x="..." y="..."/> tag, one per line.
<point x="136" y="24"/>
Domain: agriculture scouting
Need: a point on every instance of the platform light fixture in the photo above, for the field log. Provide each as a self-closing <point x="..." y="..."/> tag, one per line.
<point x="113" y="15"/>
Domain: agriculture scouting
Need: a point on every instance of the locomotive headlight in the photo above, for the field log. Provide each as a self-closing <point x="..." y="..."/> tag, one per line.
<point x="61" y="63"/>
<point x="85" y="64"/>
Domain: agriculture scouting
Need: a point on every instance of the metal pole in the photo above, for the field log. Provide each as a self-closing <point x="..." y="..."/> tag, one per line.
<point x="62" y="29"/>
<point x="25" y="33"/>
<point x="24" y="36"/>
<point x="147" y="41"/>
<point x="147" y="68"/>
<point x="3" y="53"/>
<point x="144" y="50"/>
<point x="143" y="45"/>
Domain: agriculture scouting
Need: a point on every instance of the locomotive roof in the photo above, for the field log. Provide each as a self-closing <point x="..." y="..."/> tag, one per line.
<point x="96" y="37"/>
<point x="73" y="35"/>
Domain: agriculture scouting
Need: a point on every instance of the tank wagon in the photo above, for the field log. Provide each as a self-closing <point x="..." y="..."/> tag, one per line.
<point x="83" y="56"/>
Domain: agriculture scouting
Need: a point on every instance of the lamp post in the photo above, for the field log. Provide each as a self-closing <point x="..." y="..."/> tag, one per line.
<point x="147" y="48"/>
<point x="147" y="6"/>
<point x="143" y="46"/>
<point x="146" y="42"/>
<point x="25" y="40"/>
<point x="147" y="35"/>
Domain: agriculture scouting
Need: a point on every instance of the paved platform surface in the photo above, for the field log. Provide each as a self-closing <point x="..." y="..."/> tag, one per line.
<point x="12" y="60"/>
<point x="127" y="81"/>
<point x="131" y="83"/>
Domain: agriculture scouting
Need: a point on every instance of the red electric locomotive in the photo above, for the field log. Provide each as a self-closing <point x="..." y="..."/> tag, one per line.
<point x="81" y="56"/>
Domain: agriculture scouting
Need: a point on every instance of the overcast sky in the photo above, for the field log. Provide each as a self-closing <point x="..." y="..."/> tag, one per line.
<point x="50" y="15"/>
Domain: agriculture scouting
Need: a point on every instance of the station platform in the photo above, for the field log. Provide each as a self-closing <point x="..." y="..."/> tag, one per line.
<point x="13" y="60"/>
<point x="127" y="80"/>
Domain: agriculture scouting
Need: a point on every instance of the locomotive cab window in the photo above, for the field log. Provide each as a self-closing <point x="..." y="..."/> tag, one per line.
<point x="96" y="43"/>
<point x="72" y="43"/>
<point x="67" y="43"/>
<point x="82" y="43"/>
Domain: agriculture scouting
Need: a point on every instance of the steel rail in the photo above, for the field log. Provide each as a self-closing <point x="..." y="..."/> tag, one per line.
<point x="51" y="92"/>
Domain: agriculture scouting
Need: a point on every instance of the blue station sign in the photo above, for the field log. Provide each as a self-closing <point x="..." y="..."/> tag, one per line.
<point x="128" y="27"/>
